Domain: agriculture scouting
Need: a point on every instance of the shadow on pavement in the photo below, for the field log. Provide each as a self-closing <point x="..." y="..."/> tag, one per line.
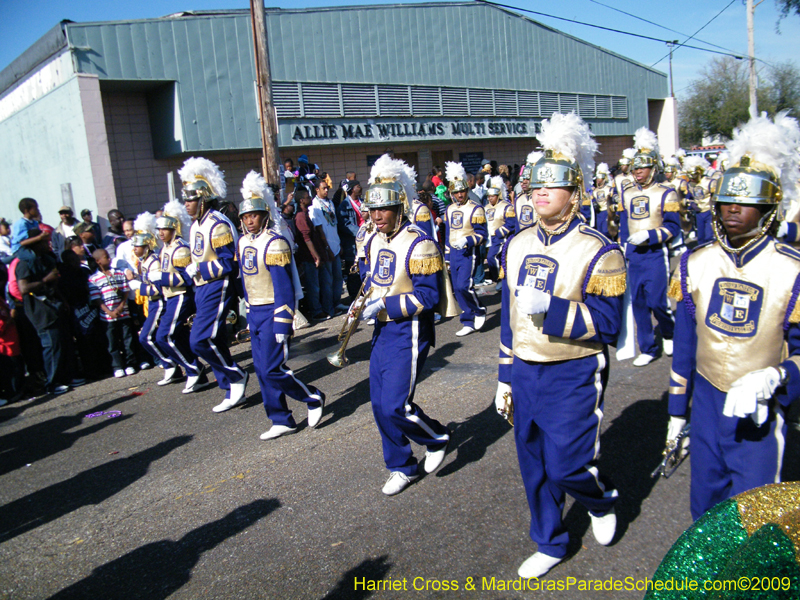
<point x="471" y="438"/>
<point x="90" y="487"/>
<point x="368" y="570"/>
<point x="31" y="444"/>
<point x="159" y="569"/>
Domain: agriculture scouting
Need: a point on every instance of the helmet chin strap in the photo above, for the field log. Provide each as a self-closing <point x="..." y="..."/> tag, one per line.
<point x="568" y="212"/>
<point x="758" y="232"/>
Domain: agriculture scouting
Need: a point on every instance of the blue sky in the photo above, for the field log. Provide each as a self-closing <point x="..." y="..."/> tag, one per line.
<point x="24" y="21"/>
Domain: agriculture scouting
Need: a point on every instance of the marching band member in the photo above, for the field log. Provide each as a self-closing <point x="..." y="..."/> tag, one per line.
<point x="738" y="312"/>
<point x="421" y="217"/>
<point x="649" y="219"/>
<point x="147" y="263"/>
<point x="523" y="205"/>
<point x="701" y="189"/>
<point x="624" y="176"/>
<point x="602" y="196"/>
<point x="175" y="285"/>
<point x="265" y="259"/>
<point x="561" y="306"/>
<point x="502" y="221"/>
<point x="466" y="230"/>
<point x="365" y="233"/>
<point x="404" y="286"/>
<point x="213" y="245"/>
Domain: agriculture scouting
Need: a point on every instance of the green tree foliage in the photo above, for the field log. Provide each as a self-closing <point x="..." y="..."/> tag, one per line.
<point x="718" y="100"/>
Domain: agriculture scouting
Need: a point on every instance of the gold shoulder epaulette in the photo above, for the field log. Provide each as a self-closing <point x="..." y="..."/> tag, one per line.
<point x="608" y="277"/>
<point x="278" y="253"/>
<point x="221" y="235"/>
<point x="182" y="257"/>
<point x="423" y="215"/>
<point x="510" y="212"/>
<point x="672" y="206"/>
<point x="425" y="259"/>
<point x="479" y="216"/>
<point x="587" y="201"/>
<point x="675" y="292"/>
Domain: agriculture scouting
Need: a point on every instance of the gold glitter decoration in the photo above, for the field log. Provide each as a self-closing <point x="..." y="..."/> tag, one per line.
<point x="777" y="503"/>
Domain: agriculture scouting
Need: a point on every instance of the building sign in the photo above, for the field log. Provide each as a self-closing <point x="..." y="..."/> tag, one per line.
<point x="300" y="133"/>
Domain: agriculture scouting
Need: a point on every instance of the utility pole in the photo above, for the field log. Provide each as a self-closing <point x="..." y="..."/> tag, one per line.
<point x="671" y="45"/>
<point x="266" y="110"/>
<point x="751" y="48"/>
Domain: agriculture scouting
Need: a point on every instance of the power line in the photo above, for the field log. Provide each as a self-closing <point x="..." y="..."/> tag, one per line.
<point x="694" y="34"/>
<point x="638" y="35"/>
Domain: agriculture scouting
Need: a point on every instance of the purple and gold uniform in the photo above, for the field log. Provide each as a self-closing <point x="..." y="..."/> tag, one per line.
<point x="655" y="210"/>
<point x="149" y="269"/>
<point x="265" y="265"/>
<point x="557" y="366"/>
<point x="736" y="313"/>
<point x="213" y="249"/>
<point x="365" y="233"/>
<point x="525" y="211"/>
<point x="466" y="223"/>
<point x="422" y="218"/>
<point x="502" y="222"/>
<point x="700" y="195"/>
<point x="601" y="197"/>
<point x="405" y="270"/>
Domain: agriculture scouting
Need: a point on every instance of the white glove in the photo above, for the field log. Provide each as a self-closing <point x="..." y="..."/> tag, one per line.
<point x="783" y="229"/>
<point x="749" y="395"/>
<point x="676" y="425"/>
<point x="531" y="301"/>
<point x="638" y="238"/>
<point x="288" y="174"/>
<point x="499" y="401"/>
<point x="191" y="270"/>
<point x="281" y="337"/>
<point x="460" y="244"/>
<point x="135" y="284"/>
<point x="372" y="309"/>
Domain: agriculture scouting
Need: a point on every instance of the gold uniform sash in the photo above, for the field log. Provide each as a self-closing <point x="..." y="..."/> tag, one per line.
<point x="256" y="253"/>
<point x="740" y="312"/>
<point x="560" y="269"/>
<point x="174" y="255"/>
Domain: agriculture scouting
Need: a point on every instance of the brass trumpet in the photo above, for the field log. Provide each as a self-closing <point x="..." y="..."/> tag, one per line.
<point x="338" y="359"/>
<point x="508" y="408"/>
<point x="243" y="335"/>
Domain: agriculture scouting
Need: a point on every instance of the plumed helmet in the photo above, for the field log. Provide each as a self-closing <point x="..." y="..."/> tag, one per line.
<point x="202" y="180"/>
<point x="695" y="166"/>
<point x="254" y="190"/>
<point x="391" y="182"/>
<point x="144" y="228"/>
<point x="627" y="156"/>
<point x="456" y="177"/>
<point x="646" y="144"/>
<point x="175" y="217"/>
<point x="569" y="149"/>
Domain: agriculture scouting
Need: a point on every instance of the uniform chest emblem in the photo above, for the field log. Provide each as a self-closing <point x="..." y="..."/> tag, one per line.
<point x="360" y="235"/>
<point x="490" y="214"/>
<point x="699" y="193"/>
<point x="458" y="219"/>
<point x="385" y="263"/>
<point x="249" y="261"/>
<point x="165" y="261"/>
<point x="734" y="307"/>
<point x="199" y="244"/>
<point x="538" y="272"/>
<point x="526" y="215"/>
<point x="640" y="207"/>
<point x="601" y="195"/>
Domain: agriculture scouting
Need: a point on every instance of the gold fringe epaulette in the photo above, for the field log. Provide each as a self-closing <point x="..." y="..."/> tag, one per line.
<point x="501" y="273"/>
<point x="795" y="316"/>
<point x="222" y="240"/>
<point x="426" y="216"/>
<point x="511" y="213"/>
<point x="612" y="285"/>
<point x="675" y="292"/>
<point x="672" y="207"/>
<point x="586" y="201"/>
<point x="181" y="263"/>
<point x="279" y="259"/>
<point x="478" y="220"/>
<point x="425" y="266"/>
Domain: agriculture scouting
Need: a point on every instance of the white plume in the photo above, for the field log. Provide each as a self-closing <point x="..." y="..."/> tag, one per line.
<point x="694" y="161"/>
<point x="629" y="153"/>
<point x="201" y="168"/>
<point x="534" y="157"/>
<point x="602" y="169"/>
<point x="387" y="168"/>
<point x="454" y="171"/>
<point x="176" y="210"/>
<point x="571" y="137"/>
<point x="146" y="223"/>
<point x="680" y="153"/>
<point x="672" y="161"/>
<point x="644" y="139"/>
<point x="498" y="183"/>
<point x="254" y="185"/>
<point x="773" y="144"/>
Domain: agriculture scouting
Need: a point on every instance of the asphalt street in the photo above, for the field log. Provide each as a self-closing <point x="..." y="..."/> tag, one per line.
<point x="167" y="499"/>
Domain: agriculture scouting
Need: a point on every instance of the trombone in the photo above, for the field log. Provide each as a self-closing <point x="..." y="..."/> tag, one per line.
<point x="338" y="359"/>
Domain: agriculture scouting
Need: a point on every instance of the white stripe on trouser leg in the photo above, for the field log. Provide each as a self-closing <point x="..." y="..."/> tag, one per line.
<point x="171" y="335"/>
<point x="779" y="421"/>
<point x="471" y="288"/>
<point x="412" y="382"/>
<point x="665" y="250"/>
<point x="150" y="335"/>
<point x="287" y="371"/>
<point x="210" y="340"/>
<point x="598" y="384"/>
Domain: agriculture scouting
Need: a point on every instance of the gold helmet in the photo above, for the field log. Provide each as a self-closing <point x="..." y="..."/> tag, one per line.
<point x="695" y="166"/>
<point x="203" y="182"/>
<point x="646" y="157"/>
<point x="569" y="149"/>
<point x="144" y="228"/>
<point x="627" y="156"/>
<point x="391" y="183"/>
<point x="175" y="217"/>
<point x="456" y="177"/>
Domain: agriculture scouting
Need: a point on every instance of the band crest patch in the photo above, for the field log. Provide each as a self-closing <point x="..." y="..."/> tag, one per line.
<point x="458" y="219"/>
<point x="735" y="307"/>
<point x="640" y="207"/>
<point x="199" y="244"/>
<point x="526" y="215"/>
<point x="385" y="263"/>
<point x="538" y="272"/>
<point x="249" y="261"/>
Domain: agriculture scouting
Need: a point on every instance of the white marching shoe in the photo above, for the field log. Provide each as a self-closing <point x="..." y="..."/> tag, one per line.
<point x="397" y="482"/>
<point x="195" y="383"/>
<point x="537" y="565"/>
<point x="315" y="414"/>
<point x="277" y="431"/>
<point x="171" y="375"/>
<point x="434" y="459"/>
<point x="479" y="321"/>
<point x="604" y="527"/>
<point x="643" y="360"/>
<point x="465" y="330"/>
<point x="237" y="395"/>
<point x="667" y="346"/>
